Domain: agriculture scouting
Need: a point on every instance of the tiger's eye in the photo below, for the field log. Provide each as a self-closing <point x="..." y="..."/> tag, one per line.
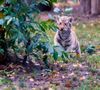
<point x="60" y="23"/>
<point x="65" y="23"/>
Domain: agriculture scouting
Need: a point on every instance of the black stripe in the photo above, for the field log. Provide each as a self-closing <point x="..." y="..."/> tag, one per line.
<point x="60" y="35"/>
<point x="67" y="32"/>
<point x="67" y="40"/>
<point x="66" y="46"/>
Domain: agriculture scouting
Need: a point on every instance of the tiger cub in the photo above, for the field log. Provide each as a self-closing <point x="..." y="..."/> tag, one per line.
<point x="65" y="36"/>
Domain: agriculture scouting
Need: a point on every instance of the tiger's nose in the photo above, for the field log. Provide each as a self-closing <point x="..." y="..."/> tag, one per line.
<point x="62" y="29"/>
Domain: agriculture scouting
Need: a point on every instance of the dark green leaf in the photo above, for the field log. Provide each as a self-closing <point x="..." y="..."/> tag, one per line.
<point x="1" y="51"/>
<point x="30" y="48"/>
<point x="65" y="56"/>
<point x="54" y="1"/>
<point x="55" y="55"/>
<point x="1" y="2"/>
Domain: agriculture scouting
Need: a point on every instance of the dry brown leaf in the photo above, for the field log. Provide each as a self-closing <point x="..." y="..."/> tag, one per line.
<point x="68" y="84"/>
<point x="71" y="74"/>
<point x="31" y="79"/>
<point x="82" y="78"/>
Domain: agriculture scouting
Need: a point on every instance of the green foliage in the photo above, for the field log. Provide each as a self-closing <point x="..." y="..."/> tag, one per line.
<point x="1" y="51"/>
<point x="84" y="87"/>
<point x="55" y="55"/>
<point x="53" y="0"/>
<point x="94" y="59"/>
<point x="65" y="56"/>
<point x="89" y="84"/>
<point x="24" y="33"/>
<point x="48" y="25"/>
<point x="60" y="55"/>
<point x="1" y="2"/>
<point x="90" y="49"/>
<point x="4" y="81"/>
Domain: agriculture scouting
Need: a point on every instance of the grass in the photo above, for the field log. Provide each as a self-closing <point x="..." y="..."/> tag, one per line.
<point x="88" y="33"/>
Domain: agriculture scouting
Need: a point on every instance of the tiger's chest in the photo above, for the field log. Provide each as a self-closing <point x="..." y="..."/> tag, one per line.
<point x="64" y="38"/>
<point x="63" y="35"/>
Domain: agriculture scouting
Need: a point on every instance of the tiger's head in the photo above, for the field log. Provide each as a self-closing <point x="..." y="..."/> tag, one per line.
<point x="64" y="22"/>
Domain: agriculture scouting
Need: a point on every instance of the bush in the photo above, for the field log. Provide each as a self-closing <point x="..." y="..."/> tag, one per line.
<point x="22" y="31"/>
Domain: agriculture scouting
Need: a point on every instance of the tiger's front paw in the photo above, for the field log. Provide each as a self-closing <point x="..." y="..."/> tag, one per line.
<point x="78" y="55"/>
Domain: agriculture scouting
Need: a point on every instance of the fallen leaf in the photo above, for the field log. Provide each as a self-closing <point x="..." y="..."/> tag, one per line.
<point x="71" y="74"/>
<point x="63" y="77"/>
<point x="79" y="65"/>
<point x="31" y="79"/>
<point x="82" y="78"/>
<point x="50" y="89"/>
<point x="84" y="26"/>
<point x="75" y="65"/>
<point x="68" y="84"/>
<point x="12" y="77"/>
<point x="91" y="24"/>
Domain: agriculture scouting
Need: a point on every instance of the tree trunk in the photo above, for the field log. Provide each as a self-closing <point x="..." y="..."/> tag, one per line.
<point x="85" y="6"/>
<point x="98" y="6"/>
<point x="90" y="7"/>
<point x="94" y="10"/>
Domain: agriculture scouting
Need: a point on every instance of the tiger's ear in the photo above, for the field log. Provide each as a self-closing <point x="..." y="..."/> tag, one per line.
<point x="70" y="22"/>
<point x="56" y="18"/>
<point x="70" y="19"/>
